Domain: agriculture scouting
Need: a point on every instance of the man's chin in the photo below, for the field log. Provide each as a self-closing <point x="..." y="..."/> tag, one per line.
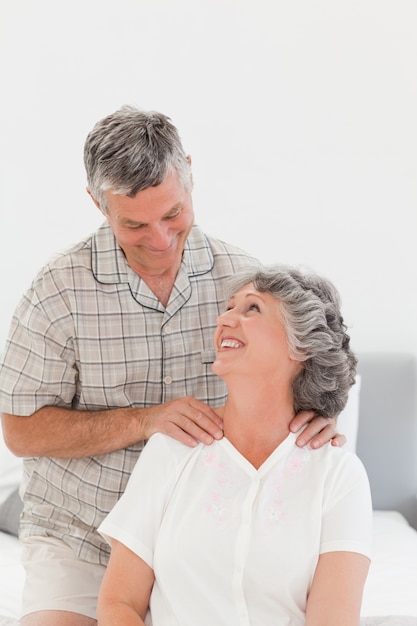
<point x="159" y="262"/>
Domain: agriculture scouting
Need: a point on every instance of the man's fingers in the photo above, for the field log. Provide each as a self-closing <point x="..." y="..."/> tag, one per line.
<point x="318" y="432"/>
<point x="186" y="420"/>
<point x="203" y="412"/>
<point x="200" y="426"/>
<point x="300" y="420"/>
<point x="339" y="440"/>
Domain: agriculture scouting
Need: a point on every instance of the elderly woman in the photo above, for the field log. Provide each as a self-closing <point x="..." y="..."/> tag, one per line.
<point x="251" y="530"/>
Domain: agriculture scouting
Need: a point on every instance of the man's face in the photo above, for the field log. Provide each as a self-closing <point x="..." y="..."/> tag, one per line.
<point x="152" y="227"/>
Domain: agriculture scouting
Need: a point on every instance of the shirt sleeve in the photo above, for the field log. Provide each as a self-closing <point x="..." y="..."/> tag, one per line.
<point x="38" y="367"/>
<point x="136" y="518"/>
<point x="347" y="508"/>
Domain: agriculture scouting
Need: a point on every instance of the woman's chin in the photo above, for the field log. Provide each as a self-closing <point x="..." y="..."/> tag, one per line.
<point x="218" y="367"/>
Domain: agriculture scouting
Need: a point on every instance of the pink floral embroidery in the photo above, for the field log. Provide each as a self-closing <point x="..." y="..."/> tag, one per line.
<point x="222" y="481"/>
<point x="272" y="502"/>
<point x="217" y="508"/>
<point x="272" y="506"/>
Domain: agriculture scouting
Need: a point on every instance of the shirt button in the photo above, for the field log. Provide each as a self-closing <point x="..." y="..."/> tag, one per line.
<point x="167" y="380"/>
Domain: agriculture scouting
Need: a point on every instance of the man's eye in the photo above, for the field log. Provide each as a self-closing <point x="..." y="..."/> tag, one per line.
<point x="173" y="216"/>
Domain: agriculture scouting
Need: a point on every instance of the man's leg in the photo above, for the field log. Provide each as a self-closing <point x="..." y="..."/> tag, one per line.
<point x="57" y="618"/>
<point x="60" y="589"/>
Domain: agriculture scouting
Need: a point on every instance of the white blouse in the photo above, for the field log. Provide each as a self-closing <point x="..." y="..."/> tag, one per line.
<point x="231" y="545"/>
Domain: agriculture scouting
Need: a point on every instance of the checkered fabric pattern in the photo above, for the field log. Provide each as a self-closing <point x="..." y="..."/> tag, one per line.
<point x="90" y="335"/>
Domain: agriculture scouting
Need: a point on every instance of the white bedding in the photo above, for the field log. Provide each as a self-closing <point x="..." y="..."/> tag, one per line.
<point x="391" y="587"/>
<point x="11" y="577"/>
<point x="390" y="596"/>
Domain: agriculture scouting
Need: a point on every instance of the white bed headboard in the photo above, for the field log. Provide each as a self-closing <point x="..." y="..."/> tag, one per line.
<point x="387" y="432"/>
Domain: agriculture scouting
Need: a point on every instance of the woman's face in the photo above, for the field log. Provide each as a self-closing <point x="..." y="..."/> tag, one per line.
<point x="251" y="338"/>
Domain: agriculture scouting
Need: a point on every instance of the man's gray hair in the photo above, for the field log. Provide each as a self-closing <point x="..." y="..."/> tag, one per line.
<point x="310" y="309"/>
<point x="131" y="150"/>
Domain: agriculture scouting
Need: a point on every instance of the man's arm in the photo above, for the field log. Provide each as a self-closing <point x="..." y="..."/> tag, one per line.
<point x="66" y="433"/>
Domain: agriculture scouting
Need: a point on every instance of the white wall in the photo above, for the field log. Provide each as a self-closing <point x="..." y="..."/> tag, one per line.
<point x="300" y="117"/>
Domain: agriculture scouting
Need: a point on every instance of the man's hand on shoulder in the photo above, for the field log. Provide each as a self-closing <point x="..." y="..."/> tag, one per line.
<point x="318" y="432"/>
<point x="188" y="420"/>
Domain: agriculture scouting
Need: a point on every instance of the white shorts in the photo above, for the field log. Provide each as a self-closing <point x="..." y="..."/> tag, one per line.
<point x="56" y="580"/>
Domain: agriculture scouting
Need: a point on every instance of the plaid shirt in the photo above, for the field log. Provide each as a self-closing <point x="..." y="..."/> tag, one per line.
<point x="90" y="335"/>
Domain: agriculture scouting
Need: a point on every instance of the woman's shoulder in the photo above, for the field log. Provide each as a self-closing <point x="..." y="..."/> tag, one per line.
<point x="335" y="461"/>
<point x="344" y="466"/>
<point x="160" y="444"/>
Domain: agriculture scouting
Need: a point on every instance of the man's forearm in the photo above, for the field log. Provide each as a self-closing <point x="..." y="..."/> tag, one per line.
<point x="66" y="433"/>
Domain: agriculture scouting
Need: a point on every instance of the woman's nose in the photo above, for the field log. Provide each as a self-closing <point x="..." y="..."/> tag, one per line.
<point x="228" y="318"/>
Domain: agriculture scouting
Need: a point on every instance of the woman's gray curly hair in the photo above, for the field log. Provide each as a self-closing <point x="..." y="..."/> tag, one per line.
<point x="316" y="332"/>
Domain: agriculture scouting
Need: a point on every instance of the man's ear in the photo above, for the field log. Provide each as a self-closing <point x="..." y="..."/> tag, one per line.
<point x="188" y="157"/>
<point x="96" y="202"/>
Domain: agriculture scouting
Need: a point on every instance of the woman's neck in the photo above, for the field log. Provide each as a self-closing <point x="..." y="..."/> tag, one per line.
<point x="257" y="422"/>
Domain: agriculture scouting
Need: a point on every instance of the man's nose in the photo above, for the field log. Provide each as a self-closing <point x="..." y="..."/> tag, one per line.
<point x="160" y="238"/>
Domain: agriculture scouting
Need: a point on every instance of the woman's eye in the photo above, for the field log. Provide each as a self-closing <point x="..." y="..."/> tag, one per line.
<point x="254" y="307"/>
